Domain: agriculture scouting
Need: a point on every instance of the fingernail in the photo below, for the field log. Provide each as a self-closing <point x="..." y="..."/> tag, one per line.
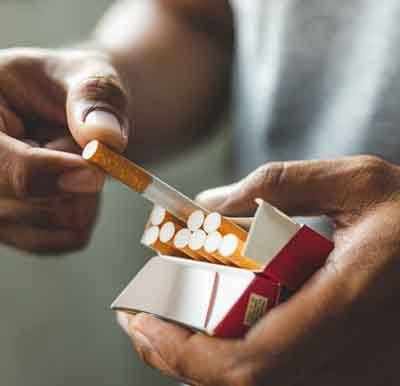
<point x="80" y="181"/>
<point x="214" y="198"/>
<point x="104" y="119"/>
<point x="123" y="321"/>
<point x="258" y="201"/>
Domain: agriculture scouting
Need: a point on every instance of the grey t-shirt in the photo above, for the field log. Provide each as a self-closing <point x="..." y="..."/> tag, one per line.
<point x="316" y="79"/>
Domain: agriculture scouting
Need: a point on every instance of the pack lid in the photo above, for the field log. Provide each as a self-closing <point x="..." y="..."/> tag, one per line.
<point x="290" y="252"/>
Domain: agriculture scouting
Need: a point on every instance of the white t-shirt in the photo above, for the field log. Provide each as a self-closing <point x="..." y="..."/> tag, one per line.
<point x="316" y="79"/>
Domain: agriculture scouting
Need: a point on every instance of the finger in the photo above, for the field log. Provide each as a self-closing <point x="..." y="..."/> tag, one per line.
<point x="188" y="357"/>
<point x="123" y="321"/>
<point x="42" y="241"/>
<point x="76" y="212"/>
<point x="46" y="133"/>
<point x="27" y="171"/>
<point x="97" y="106"/>
<point x="304" y="187"/>
<point x="66" y="143"/>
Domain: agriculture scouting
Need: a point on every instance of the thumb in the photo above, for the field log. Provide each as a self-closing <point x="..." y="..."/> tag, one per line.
<point x="305" y="187"/>
<point x="97" y="106"/>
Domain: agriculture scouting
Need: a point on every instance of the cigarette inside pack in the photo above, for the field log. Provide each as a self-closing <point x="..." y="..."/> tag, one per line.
<point x="204" y="237"/>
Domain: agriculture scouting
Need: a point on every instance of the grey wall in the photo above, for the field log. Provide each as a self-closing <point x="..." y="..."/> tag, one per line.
<point x="55" y="326"/>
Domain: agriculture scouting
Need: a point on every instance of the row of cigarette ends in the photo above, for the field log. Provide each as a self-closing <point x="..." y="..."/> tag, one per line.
<point x="201" y="239"/>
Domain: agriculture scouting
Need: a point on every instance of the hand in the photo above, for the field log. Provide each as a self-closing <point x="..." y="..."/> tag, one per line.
<point x="52" y="103"/>
<point x="341" y="328"/>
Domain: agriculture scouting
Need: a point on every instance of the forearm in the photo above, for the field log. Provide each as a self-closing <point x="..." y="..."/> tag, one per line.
<point x="175" y="62"/>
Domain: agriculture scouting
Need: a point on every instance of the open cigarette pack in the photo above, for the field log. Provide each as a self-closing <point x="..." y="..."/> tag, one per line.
<point x="222" y="283"/>
<point x="210" y="274"/>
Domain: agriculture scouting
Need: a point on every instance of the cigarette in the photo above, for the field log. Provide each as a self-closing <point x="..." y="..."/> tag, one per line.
<point x="197" y="240"/>
<point x="151" y="239"/>
<point x="159" y="216"/>
<point x="212" y="244"/>
<point x="150" y="236"/>
<point x="231" y="248"/>
<point x="181" y="242"/>
<point x="196" y="220"/>
<point x="170" y="230"/>
<point x="167" y="232"/>
<point x="196" y="243"/>
<point x="191" y="243"/>
<point x="152" y="188"/>
<point x="140" y="180"/>
<point x="216" y="222"/>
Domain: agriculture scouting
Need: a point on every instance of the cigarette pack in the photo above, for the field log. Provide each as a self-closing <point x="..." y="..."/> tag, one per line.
<point x="226" y="301"/>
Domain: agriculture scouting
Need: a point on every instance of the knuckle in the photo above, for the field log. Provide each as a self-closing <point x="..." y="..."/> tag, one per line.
<point x="373" y="165"/>
<point x="374" y="171"/>
<point x="19" y="170"/>
<point x="106" y="89"/>
<point x="268" y="178"/>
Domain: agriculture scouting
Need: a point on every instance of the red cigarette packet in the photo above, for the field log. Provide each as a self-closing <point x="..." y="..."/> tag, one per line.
<point x="227" y="301"/>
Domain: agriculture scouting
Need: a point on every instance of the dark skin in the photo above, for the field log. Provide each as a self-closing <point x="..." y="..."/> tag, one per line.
<point x="341" y="328"/>
<point x="161" y="69"/>
<point x="48" y="194"/>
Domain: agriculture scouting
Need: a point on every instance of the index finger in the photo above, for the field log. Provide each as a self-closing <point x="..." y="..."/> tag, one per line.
<point x="27" y="171"/>
<point x="319" y="187"/>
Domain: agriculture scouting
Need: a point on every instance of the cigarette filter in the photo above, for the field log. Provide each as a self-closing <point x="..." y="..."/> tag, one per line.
<point x="151" y="240"/>
<point x="181" y="242"/>
<point x="160" y="216"/>
<point x="216" y="222"/>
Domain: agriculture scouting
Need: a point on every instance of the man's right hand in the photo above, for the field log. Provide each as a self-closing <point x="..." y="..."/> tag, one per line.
<point x="52" y="103"/>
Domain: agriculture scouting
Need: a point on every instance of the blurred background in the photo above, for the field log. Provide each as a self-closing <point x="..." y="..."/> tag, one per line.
<point x="56" y="328"/>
